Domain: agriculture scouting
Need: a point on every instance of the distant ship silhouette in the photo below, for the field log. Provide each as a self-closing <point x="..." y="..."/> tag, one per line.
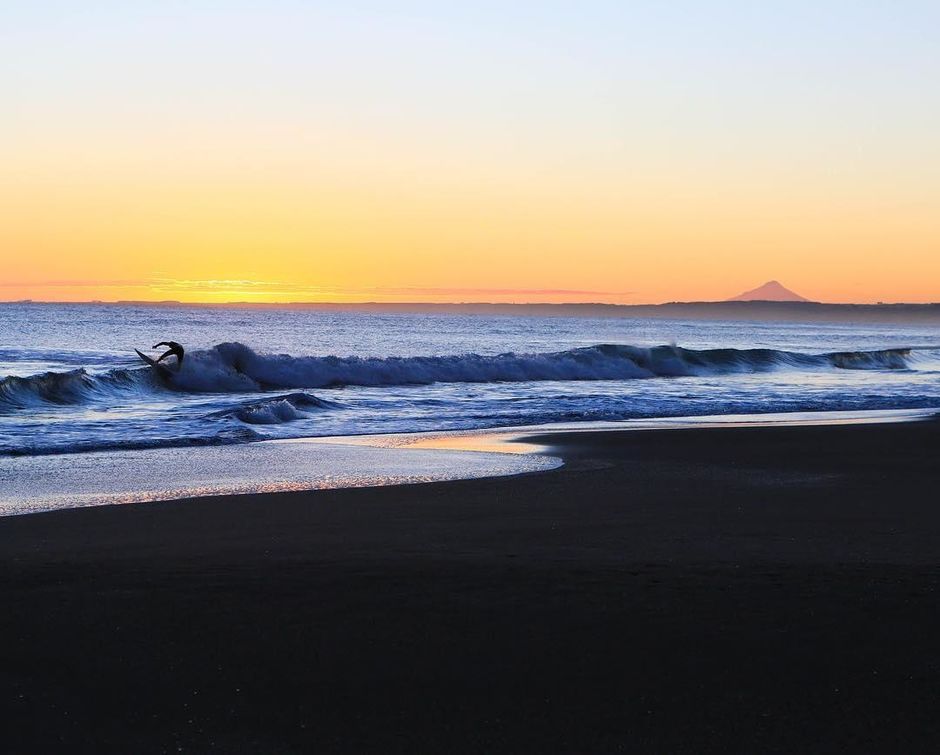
<point x="770" y="291"/>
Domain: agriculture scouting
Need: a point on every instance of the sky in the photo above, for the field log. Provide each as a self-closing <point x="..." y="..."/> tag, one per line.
<point x="630" y="152"/>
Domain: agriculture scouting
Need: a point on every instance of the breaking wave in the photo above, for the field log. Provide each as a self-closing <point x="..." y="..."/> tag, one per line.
<point x="71" y="387"/>
<point x="236" y="368"/>
<point x="278" y="410"/>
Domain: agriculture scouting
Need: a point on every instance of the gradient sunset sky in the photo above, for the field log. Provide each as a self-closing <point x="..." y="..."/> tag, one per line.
<point x="477" y="151"/>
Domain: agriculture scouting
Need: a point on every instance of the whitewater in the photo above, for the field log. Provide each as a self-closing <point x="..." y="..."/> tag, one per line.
<point x="70" y="381"/>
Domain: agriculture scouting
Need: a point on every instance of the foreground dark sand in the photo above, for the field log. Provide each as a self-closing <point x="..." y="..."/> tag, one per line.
<point x="736" y="590"/>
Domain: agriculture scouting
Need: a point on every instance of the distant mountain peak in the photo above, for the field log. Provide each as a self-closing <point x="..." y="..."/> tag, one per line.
<point x="770" y="291"/>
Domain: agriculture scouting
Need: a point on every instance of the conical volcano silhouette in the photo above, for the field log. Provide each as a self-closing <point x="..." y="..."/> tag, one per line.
<point x="770" y="291"/>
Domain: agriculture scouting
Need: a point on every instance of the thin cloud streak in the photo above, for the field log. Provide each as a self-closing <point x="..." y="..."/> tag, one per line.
<point x="256" y="287"/>
<point x="75" y="284"/>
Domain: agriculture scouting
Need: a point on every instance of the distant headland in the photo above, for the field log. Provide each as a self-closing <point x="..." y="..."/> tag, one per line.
<point x="736" y="309"/>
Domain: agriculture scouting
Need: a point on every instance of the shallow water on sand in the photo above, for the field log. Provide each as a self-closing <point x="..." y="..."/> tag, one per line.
<point x="47" y="483"/>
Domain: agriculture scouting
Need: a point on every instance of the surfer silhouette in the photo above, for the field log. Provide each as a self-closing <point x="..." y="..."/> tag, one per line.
<point x="173" y="349"/>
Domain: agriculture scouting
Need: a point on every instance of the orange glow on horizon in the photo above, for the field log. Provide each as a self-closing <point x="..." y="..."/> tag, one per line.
<point x="100" y="238"/>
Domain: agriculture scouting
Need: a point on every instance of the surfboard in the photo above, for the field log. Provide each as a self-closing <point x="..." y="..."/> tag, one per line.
<point x="165" y="372"/>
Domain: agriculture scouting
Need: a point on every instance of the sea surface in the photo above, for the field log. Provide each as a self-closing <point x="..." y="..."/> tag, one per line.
<point x="70" y="380"/>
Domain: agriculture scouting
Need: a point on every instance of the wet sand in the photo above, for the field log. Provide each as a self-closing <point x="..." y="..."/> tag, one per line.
<point x="733" y="590"/>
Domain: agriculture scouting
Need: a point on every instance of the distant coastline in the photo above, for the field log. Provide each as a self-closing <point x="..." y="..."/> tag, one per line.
<point x="787" y="311"/>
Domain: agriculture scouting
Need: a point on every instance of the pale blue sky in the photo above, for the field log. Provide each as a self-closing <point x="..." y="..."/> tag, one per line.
<point x="756" y="72"/>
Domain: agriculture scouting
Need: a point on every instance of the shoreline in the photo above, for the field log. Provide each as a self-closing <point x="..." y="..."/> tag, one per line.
<point x="688" y="590"/>
<point x="525" y="439"/>
<point x="34" y="484"/>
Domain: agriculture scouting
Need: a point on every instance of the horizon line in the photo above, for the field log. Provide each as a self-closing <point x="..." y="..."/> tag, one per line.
<point x="374" y="303"/>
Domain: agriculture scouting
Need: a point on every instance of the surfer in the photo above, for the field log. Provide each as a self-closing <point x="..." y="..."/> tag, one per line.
<point x="173" y="349"/>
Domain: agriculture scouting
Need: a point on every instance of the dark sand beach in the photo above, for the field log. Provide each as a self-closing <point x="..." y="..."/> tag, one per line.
<point x="726" y="590"/>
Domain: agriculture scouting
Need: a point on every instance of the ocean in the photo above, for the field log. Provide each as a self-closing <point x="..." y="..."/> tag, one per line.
<point x="72" y="383"/>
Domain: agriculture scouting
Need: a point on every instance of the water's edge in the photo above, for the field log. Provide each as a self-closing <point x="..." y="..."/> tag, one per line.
<point x="52" y="483"/>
